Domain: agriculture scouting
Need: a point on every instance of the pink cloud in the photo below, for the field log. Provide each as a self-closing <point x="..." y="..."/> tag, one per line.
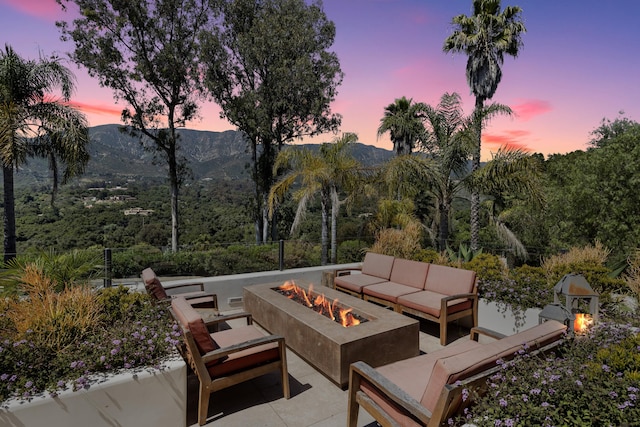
<point x="109" y="110"/>
<point x="47" y="9"/>
<point x="531" y="108"/>
<point x="509" y="139"/>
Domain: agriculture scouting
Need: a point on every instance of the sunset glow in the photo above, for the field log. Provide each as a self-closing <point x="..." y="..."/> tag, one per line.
<point x="567" y="78"/>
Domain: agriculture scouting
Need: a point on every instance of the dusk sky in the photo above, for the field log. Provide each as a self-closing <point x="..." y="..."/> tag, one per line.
<point x="580" y="63"/>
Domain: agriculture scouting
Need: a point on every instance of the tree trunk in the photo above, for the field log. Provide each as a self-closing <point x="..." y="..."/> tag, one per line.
<point x="9" y="215"/>
<point x="324" y="234"/>
<point x="475" y="165"/>
<point x="174" y="184"/>
<point x="443" y="232"/>
<point x="335" y="207"/>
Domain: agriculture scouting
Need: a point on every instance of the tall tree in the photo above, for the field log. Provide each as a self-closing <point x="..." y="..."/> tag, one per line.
<point x="330" y="171"/>
<point x="36" y="121"/>
<point x="449" y="144"/>
<point x="403" y="120"/>
<point x="485" y="37"/>
<point x="510" y="177"/>
<point x="148" y="53"/>
<point x="271" y="72"/>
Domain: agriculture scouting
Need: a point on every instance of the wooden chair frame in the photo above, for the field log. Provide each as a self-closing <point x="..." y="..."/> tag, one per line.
<point x="209" y="384"/>
<point x="450" y="402"/>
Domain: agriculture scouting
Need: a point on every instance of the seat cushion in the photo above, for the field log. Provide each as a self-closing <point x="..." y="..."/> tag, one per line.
<point x="413" y="374"/>
<point x="431" y="303"/>
<point x="409" y="273"/>
<point x="244" y="359"/>
<point x="388" y="291"/>
<point x="449" y="280"/>
<point x="191" y="320"/>
<point x="152" y="284"/>
<point x="355" y="282"/>
<point x="377" y="265"/>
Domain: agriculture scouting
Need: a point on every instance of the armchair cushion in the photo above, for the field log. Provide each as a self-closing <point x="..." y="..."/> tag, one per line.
<point x="153" y="285"/>
<point x="190" y="318"/>
<point x="242" y="359"/>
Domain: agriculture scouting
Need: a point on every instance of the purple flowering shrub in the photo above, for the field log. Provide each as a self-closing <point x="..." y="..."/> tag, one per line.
<point x="591" y="380"/>
<point x="518" y="290"/>
<point x="132" y="333"/>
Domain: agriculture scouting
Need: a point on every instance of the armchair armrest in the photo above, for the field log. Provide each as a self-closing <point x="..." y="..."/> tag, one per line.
<point x="184" y="285"/>
<point x="221" y="352"/>
<point x="347" y="272"/>
<point x="225" y="317"/>
<point x="360" y="371"/>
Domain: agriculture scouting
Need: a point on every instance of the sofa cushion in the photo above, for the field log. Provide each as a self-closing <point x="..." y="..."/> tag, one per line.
<point x="449" y="280"/>
<point x="245" y="358"/>
<point x="409" y="272"/>
<point x="377" y="265"/>
<point x="191" y="320"/>
<point x="388" y="291"/>
<point x="431" y="302"/>
<point x="413" y="374"/>
<point x="461" y="366"/>
<point x="152" y="284"/>
<point x="355" y="282"/>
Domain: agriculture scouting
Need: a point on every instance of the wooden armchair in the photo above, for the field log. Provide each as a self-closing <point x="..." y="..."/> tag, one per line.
<point x="228" y="357"/>
<point x="427" y="390"/>
<point x="198" y="298"/>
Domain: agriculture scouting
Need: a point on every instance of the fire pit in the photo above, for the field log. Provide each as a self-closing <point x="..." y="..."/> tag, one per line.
<point x="382" y="336"/>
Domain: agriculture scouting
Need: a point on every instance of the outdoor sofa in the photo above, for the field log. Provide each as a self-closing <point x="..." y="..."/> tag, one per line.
<point x="427" y="390"/>
<point x="434" y="292"/>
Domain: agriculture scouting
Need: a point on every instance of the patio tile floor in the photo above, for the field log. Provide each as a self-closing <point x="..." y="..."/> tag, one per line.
<point x="315" y="400"/>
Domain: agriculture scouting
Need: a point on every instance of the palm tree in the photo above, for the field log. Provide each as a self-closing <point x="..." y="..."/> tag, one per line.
<point x="511" y="176"/>
<point x="403" y="121"/>
<point x="35" y="122"/>
<point x="328" y="171"/>
<point x="450" y="146"/>
<point x="450" y="142"/>
<point x="485" y="37"/>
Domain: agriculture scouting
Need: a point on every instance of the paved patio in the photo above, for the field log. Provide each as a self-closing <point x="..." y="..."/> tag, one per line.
<point x="315" y="400"/>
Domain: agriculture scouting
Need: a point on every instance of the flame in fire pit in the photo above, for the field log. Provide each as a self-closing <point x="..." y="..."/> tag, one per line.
<point x="319" y="303"/>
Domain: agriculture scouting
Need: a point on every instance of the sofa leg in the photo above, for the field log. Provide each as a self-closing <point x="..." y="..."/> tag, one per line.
<point x="443" y="333"/>
<point x="352" y="406"/>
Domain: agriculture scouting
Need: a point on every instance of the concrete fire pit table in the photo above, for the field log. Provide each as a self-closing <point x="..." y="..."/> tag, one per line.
<point x="384" y="338"/>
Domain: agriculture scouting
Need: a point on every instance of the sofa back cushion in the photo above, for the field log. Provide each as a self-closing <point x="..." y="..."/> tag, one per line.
<point x="459" y="367"/>
<point x="410" y="273"/>
<point x="377" y="265"/>
<point x="449" y="280"/>
<point x="152" y="284"/>
<point x="191" y="320"/>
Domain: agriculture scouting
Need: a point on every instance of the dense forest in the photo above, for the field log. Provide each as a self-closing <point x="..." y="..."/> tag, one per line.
<point x="589" y="196"/>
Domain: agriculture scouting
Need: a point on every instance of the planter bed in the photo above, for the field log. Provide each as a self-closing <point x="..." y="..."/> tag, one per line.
<point x="141" y="398"/>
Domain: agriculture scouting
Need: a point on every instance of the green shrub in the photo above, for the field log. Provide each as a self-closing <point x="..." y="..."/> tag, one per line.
<point x="351" y="251"/>
<point x="487" y="267"/>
